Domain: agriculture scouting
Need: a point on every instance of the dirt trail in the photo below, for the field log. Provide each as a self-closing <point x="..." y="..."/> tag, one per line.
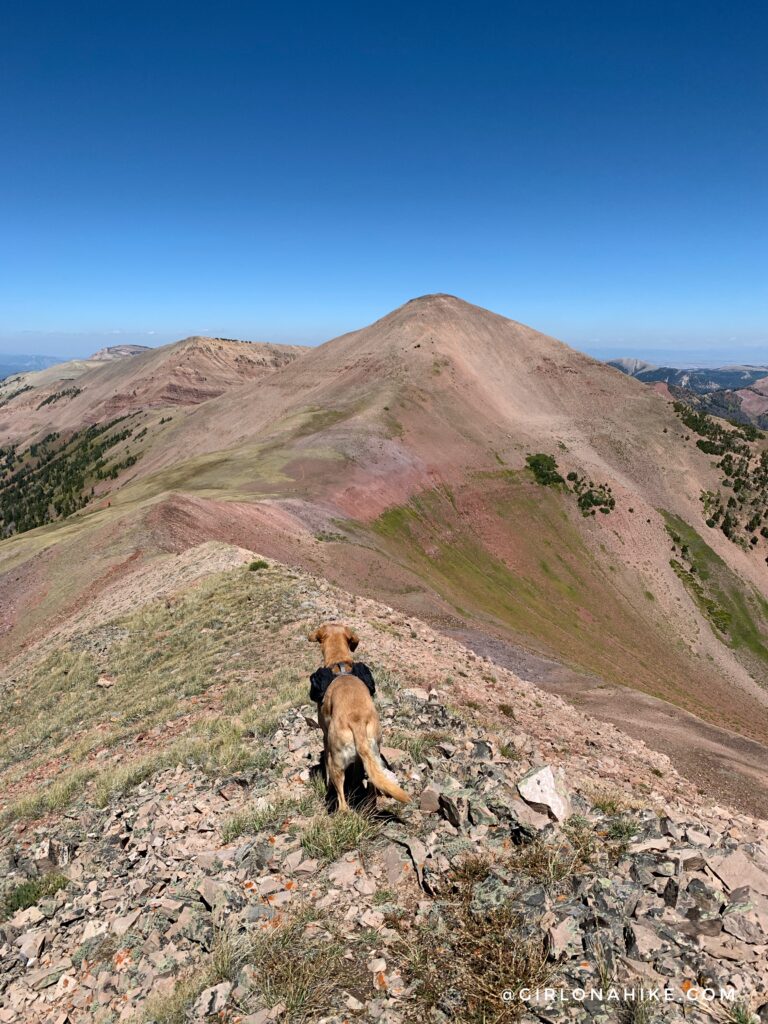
<point x="723" y="765"/>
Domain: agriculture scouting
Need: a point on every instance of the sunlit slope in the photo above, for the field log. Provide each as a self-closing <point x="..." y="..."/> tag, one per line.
<point x="393" y="460"/>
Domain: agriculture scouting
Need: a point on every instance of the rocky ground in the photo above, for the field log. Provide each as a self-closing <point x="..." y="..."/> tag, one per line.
<point x="545" y="858"/>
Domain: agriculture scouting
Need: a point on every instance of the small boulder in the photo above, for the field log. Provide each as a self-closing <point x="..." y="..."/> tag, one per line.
<point x="564" y="939"/>
<point x="429" y="801"/>
<point x="213" y="1000"/>
<point x="545" y="792"/>
<point x="735" y="869"/>
<point x="49" y="855"/>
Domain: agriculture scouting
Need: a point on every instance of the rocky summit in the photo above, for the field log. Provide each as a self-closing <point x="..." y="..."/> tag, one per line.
<point x="549" y="868"/>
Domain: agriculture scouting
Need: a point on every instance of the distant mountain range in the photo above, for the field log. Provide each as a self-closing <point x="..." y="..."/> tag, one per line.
<point x="702" y="380"/>
<point x="10" y="364"/>
<point x="737" y="393"/>
<point x="118" y="352"/>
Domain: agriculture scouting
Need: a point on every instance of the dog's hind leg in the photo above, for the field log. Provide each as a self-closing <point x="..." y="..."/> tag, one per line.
<point x="360" y="795"/>
<point x="336" y="776"/>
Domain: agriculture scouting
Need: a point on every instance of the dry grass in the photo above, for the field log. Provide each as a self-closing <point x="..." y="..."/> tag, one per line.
<point x="165" y="660"/>
<point x="259" y="819"/>
<point x="286" y="965"/>
<point x="228" y="954"/>
<point x="464" y="960"/>
<point x="304" y="974"/>
<point x="273" y="815"/>
<point x="173" y="1007"/>
<point x="612" y="801"/>
<point x="214" y="745"/>
<point x="547" y="862"/>
<point x="328" y="836"/>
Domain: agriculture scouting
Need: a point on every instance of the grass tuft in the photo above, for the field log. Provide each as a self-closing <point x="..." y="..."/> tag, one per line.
<point x="548" y="863"/>
<point x="260" y="819"/>
<point x="473" y="957"/>
<point x="327" y="837"/>
<point x="285" y="966"/>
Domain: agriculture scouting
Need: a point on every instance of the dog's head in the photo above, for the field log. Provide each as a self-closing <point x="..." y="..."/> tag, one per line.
<point x="336" y="640"/>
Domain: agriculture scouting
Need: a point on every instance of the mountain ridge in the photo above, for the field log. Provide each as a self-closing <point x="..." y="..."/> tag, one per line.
<point x="395" y="457"/>
<point x="176" y="857"/>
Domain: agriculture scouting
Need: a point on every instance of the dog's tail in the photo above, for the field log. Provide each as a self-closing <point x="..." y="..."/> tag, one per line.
<point x="381" y="777"/>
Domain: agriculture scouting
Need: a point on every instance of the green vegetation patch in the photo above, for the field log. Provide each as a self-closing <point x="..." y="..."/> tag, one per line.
<point x="572" y="606"/>
<point x="29" y="893"/>
<point x="53" y="478"/>
<point x="58" y="395"/>
<point x="589" y="496"/>
<point x="544" y="469"/>
<point x="739" y="506"/>
<point x="735" y="609"/>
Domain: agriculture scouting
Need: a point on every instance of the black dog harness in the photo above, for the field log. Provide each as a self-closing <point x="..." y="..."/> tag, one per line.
<point x="320" y="680"/>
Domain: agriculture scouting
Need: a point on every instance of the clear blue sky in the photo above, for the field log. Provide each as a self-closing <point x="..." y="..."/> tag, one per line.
<point x="292" y="171"/>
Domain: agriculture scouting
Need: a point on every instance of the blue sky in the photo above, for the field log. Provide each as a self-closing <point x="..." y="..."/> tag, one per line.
<point x="289" y="172"/>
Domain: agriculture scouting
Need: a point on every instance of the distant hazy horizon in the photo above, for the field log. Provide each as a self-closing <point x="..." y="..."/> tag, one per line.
<point x="680" y="352"/>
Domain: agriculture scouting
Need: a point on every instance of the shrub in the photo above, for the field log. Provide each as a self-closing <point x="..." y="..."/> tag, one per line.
<point x="27" y="894"/>
<point x="544" y="469"/>
<point x="473" y="956"/>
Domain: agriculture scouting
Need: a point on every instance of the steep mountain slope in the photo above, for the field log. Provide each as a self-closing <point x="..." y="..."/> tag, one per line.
<point x="754" y="399"/>
<point x="393" y="460"/>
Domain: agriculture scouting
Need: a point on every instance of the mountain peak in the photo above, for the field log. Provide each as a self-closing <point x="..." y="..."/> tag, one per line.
<point x="440" y="301"/>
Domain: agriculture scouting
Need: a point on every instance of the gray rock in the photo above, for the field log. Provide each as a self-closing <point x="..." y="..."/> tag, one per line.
<point x="455" y="809"/>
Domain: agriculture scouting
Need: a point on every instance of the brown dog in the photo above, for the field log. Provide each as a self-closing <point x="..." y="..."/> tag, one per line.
<point x="348" y="717"/>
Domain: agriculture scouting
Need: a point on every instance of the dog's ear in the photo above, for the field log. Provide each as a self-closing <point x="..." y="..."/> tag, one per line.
<point x="317" y="635"/>
<point x="352" y="638"/>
